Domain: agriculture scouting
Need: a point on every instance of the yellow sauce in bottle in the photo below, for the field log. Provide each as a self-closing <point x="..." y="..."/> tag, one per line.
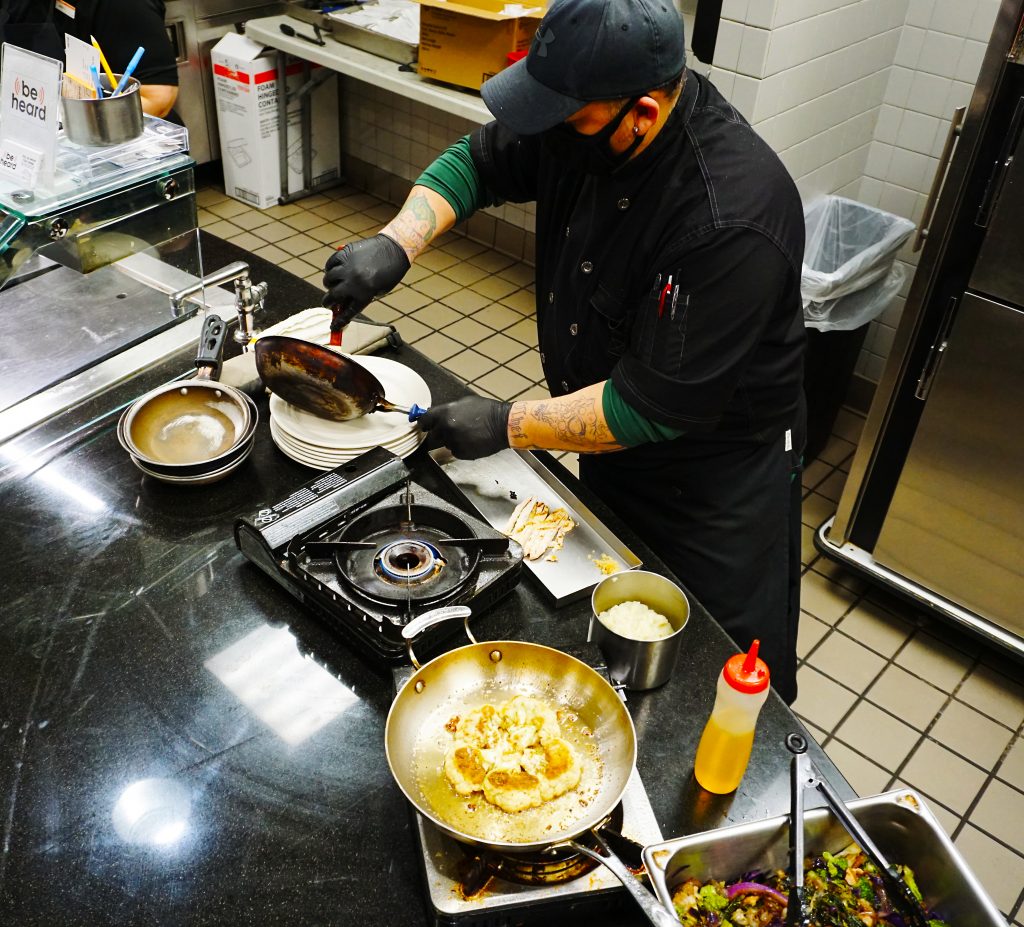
<point x="722" y="757"/>
<point x="725" y="746"/>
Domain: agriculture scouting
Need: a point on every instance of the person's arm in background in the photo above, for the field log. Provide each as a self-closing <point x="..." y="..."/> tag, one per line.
<point x="158" y="99"/>
<point x="120" y="28"/>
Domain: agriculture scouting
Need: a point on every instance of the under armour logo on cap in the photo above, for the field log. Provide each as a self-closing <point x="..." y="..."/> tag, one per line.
<point x="544" y="38"/>
<point x="607" y="50"/>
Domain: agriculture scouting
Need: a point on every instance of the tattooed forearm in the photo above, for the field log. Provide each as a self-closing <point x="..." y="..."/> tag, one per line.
<point x="572" y="423"/>
<point x="414" y="226"/>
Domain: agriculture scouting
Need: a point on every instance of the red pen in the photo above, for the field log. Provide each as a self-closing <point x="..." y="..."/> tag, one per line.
<point x="664" y="293"/>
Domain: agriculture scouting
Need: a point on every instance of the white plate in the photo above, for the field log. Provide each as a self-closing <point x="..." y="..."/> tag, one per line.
<point x="402" y="386"/>
<point x="331" y="459"/>
<point x="321" y="464"/>
<point x="300" y="443"/>
<point x="282" y="437"/>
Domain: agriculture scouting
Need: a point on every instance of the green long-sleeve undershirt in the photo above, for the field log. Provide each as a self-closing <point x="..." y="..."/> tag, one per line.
<point x="454" y="176"/>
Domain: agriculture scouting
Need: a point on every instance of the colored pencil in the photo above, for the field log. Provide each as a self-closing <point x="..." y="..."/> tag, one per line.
<point x="103" y="61"/>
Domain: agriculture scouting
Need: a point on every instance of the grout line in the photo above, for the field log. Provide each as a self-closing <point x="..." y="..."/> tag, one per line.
<point x="925" y="736"/>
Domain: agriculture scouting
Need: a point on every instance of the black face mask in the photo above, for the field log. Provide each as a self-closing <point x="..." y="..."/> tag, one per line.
<point x="591" y="153"/>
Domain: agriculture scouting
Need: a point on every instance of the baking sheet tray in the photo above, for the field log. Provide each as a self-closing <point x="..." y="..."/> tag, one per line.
<point x="489" y="484"/>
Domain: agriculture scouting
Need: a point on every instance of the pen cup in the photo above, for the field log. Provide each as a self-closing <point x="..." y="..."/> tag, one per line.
<point x="109" y="121"/>
<point x="639" y="664"/>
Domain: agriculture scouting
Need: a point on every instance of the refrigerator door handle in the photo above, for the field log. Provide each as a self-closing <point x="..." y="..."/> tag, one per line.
<point x="940" y="176"/>
<point x="935" y="352"/>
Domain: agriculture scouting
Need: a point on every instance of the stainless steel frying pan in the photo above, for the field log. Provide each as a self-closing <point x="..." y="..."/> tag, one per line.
<point x="494" y="671"/>
<point x="190" y="422"/>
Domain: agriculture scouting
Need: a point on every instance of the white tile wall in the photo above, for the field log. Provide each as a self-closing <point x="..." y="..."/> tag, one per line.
<point x="854" y="95"/>
<point x="936" y="65"/>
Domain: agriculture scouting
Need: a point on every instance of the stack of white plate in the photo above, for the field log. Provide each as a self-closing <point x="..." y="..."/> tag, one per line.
<point x="323" y="445"/>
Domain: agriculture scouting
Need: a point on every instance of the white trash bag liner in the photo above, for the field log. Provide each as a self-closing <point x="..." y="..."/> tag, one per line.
<point x="850" y="274"/>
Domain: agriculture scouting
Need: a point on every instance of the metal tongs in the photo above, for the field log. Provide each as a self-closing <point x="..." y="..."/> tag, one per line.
<point x="804" y="775"/>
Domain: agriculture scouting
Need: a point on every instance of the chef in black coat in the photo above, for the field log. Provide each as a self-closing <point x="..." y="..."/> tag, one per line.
<point x="119" y="26"/>
<point x="669" y="249"/>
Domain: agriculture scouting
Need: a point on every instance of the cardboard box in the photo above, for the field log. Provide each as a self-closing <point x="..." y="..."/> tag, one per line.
<point x="465" y="43"/>
<point x="245" y="86"/>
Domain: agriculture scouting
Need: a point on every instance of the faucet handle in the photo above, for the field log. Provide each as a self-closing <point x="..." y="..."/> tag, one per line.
<point x="249" y="298"/>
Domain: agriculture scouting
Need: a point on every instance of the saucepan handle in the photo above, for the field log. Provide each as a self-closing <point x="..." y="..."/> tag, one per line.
<point x="211" y="344"/>
<point x="421" y="623"/>
<point x="653" y="909"/>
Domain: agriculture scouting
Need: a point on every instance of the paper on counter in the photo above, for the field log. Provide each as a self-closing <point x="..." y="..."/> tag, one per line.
<point x="79" y="57"/>
<point x="397" y="19"/>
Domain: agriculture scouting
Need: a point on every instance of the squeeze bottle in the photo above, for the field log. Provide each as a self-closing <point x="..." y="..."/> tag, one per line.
<point x="724" y="749"/>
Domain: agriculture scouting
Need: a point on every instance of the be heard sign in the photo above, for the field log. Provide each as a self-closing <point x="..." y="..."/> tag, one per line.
<point x="29" y="99"/>
<point x="29" y="88"/>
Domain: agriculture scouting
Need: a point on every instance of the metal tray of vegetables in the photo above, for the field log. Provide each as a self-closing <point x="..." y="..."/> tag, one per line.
<point x="741" y="861"/>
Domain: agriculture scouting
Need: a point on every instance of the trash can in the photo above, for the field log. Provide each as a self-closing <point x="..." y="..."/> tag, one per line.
<point x="849" y="277"/>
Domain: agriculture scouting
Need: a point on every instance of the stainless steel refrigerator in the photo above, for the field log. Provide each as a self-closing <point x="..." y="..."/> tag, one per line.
<point x="934" y="504"/>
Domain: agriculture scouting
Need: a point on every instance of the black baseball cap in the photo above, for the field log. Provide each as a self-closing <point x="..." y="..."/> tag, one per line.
<point x="587" y="50"/>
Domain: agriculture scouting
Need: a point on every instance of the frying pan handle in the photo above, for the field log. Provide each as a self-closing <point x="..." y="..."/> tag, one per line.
<point x="211" y="344"/>
<point x="653" y="909"/>
<point x="427" y="620"/>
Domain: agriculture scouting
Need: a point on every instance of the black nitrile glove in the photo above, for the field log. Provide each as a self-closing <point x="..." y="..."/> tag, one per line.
<point x="362" y="271"/>
<point x="470" y="427"/>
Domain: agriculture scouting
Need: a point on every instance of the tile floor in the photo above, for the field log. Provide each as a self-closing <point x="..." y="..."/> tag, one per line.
<point x="895" y="697"/>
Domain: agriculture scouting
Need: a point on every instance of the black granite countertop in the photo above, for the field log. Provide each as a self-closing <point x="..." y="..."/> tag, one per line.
<point x="123" y="599"/>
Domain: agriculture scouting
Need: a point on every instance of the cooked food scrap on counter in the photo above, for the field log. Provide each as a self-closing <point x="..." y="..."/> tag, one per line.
<point x="606" y="564"/>
<point x="844" y="890"/>
<point x="636" y="621"/>
<point x="513" y="753"/>
<point x="538" y="527"/>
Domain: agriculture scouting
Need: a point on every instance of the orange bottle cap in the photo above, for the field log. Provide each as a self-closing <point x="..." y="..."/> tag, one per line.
<point x="747" y="672"/>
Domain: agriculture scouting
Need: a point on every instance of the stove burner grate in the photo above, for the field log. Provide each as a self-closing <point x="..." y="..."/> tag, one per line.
<point x="403" y="555"/>
<point x="540" y="868"/>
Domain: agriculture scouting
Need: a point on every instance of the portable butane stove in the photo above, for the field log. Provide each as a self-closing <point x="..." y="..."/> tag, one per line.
<point x="469" y="887"/>
<point x="369" y="549"/>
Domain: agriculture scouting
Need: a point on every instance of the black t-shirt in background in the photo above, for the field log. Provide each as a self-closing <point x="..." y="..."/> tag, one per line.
<point x="120" y="27"/>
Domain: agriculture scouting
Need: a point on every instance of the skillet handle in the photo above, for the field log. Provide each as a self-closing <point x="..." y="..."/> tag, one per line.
<point x="420" y="623"/>
<point x="211" y="344"/>
<point x="653" y="909"/>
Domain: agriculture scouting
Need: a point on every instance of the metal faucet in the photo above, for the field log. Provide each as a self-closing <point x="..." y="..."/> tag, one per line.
<point x="249" y="297"/>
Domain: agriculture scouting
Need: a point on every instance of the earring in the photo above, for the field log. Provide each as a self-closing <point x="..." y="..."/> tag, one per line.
<point x="636" y="130"/>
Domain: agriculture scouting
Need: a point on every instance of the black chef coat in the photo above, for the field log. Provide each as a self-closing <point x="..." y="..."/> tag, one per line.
<point x="708" y="204"/>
